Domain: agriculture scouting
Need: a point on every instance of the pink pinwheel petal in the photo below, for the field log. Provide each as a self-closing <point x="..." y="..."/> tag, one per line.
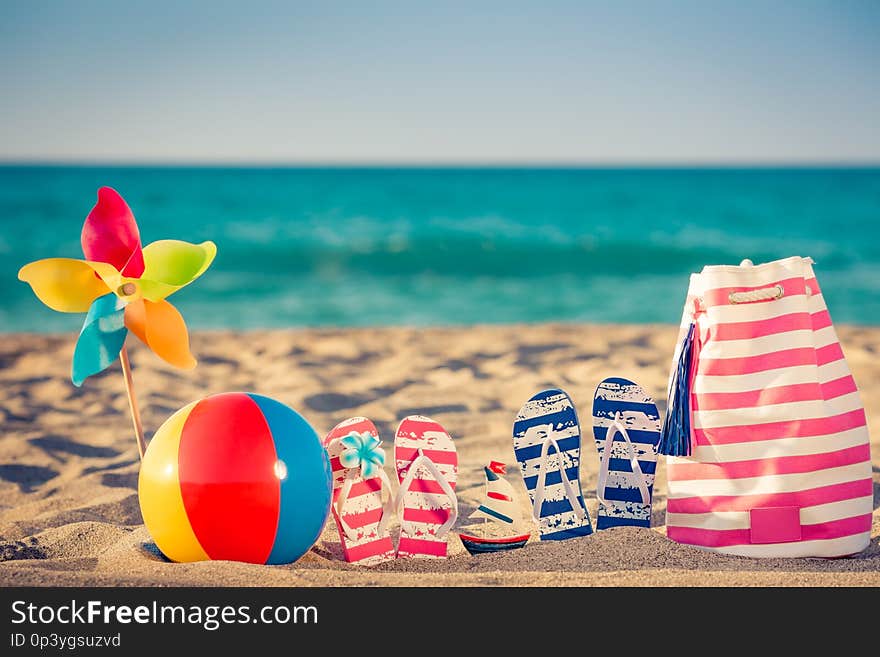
<point x="110" y="234"/>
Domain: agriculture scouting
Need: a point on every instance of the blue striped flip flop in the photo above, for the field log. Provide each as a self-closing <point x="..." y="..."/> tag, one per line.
<point x="546" y="431"/>
<point x="625" y="413"/>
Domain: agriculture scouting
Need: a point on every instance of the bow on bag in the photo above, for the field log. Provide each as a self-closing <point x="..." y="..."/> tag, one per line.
<point x="122" y="287"/>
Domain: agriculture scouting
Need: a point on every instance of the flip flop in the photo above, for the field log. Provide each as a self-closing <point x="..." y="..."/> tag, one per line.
<point x="625" y="414"/>
<point x="549" y="421"/>
<point x="358" y="478"/>
<point x="427" y="468"/>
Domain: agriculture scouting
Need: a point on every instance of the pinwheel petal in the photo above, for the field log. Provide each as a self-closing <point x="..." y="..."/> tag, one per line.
<point x="63" y="284"/>
<point x="110" y="234"/>
<point x="136" y="319"/>
<point x="171" y="264"/>
<point x="161" y="327"/>
<point x="101" y="339"/>
<point x="108" y="273"/>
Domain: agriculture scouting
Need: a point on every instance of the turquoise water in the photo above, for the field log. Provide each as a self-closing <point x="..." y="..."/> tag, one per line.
<point x="378" y="246"/>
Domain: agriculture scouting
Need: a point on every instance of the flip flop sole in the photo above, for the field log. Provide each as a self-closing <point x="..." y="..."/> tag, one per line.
<point x="558" y="520"/>
<point x="641" y="418"/>
<point x="425" y="506"/>
<point x="363" y="509"/>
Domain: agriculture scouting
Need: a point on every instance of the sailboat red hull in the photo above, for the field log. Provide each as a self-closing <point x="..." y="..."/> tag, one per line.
<point x="478" y="545"/>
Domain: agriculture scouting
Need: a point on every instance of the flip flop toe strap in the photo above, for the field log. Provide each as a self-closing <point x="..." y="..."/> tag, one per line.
<point x="616" y="427"/>
<point x="538" y="495"/>
<point x="387" y="506"/>
<point x="430" y="466"/>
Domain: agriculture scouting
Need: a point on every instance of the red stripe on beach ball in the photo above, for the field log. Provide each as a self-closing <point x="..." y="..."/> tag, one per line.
<point x="226" y="463"/>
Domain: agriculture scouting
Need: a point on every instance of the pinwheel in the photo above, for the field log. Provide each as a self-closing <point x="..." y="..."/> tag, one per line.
<point x="122" y="287"/>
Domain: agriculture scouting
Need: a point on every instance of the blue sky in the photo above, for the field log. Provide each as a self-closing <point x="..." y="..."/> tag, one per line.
<point x="470" y="82"/>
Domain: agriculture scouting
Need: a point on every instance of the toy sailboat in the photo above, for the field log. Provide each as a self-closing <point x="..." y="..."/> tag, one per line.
<point x="498" y="506"/>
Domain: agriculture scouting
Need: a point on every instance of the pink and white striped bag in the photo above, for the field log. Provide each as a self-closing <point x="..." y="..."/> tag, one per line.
<point x="766" y="432"/>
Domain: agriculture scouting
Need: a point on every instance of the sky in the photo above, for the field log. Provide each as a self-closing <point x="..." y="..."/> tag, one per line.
<point x="692" y="81"/>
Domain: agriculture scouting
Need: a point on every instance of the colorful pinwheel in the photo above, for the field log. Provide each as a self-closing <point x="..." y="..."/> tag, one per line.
<point x="122" y="287"/>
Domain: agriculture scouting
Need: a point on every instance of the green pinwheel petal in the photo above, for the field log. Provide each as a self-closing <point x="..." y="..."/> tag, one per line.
<point x="171" y="264"/>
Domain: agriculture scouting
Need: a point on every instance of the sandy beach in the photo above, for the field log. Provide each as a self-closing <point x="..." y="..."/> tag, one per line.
<point x="69" y="511"/>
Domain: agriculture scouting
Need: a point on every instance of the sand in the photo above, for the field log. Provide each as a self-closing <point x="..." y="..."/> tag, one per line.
<point x="69" y="513"/>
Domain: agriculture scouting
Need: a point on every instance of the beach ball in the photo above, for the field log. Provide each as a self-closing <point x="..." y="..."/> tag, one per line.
<point x="235" y="476"/>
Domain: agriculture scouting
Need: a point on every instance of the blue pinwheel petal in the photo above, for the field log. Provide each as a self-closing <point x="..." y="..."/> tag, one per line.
<point x="101" y="339"/>
<point x="378" y="457"/>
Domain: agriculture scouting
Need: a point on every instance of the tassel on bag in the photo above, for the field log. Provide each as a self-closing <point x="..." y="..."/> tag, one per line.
<point x="675" y="436"/>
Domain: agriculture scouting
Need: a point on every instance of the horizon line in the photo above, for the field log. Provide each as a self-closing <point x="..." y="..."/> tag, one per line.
<point x="440" y="164"/>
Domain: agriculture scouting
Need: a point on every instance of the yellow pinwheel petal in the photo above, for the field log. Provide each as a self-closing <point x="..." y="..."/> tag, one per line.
<point x="108" y="273"/>
<point x="161" y="327"/>
<point x="64" y="284"/>
<point x="171" y="264"/>
<point x="126" y="288"/>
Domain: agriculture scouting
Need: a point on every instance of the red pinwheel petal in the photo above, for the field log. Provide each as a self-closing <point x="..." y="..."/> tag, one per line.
<point x="110" y="234"/>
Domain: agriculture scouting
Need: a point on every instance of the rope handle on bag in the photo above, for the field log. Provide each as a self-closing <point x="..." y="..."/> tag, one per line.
<point x="762" y="294"/>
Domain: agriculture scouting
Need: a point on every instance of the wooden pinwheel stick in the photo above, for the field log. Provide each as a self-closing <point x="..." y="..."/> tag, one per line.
<point x="132" y="403"/>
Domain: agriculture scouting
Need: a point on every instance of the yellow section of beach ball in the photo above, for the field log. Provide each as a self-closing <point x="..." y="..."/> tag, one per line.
<point x="160" y="497"/>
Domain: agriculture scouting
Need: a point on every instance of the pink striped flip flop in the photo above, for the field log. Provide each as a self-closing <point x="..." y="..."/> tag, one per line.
<point x="427" y="468"/>
<point x="358" y="477"/>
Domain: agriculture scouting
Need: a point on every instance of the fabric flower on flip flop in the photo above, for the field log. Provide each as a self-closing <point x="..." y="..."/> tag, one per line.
<point x="122" y="287"/>
<point x="362" y="450"/>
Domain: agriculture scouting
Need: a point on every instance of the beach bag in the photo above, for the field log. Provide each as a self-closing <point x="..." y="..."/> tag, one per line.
<point x="765" y="430"/>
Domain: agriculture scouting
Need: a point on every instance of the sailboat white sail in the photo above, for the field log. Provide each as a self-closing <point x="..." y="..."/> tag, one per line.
<point x="498" y="503"/>
<point x="498" y="509"/>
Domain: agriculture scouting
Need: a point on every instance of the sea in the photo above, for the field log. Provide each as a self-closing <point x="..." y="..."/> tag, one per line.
<point x="425" y="246"/>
